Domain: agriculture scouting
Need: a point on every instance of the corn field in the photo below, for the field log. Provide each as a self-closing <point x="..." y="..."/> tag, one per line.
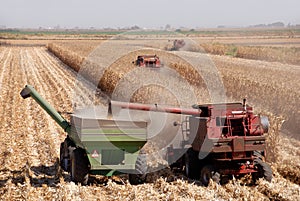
<point x="30" y="139"/>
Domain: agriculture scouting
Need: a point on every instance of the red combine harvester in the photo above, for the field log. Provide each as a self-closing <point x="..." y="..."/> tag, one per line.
<point x="218" y="141"/>
<point x="151" y="61"/>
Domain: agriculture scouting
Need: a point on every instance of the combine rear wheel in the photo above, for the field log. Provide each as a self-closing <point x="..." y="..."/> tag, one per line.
<point x="208" y="172"/>
<point x="80" y="166"/>
<point x="263" y="170"/>
<point x="141" y="169"/>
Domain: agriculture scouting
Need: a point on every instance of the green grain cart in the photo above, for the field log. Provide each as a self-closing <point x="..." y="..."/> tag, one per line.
<point x="98" y="145"/>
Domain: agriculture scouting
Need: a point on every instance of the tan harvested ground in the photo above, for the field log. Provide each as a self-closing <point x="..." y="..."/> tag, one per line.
<point x="30" y="139"/>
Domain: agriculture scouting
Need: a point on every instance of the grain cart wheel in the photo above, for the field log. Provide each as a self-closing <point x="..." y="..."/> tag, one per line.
<point x="208" y="172"/>
<point x="64" y="161"/>
<point x="64" y="154"/>
<point x="141" y="169"/>
<point x="263" y="170"/>
<point x="80" y="166"/>
<point x="191" y="164"/>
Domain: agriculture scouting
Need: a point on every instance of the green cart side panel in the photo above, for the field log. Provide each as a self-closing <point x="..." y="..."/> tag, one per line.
<point x="103" y="162"/>
<point x="108" y="156"/>
<point x="110" y="144"/>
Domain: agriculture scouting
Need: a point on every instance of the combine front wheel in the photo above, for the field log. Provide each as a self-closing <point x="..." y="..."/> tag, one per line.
<point x="263" y="170"/>
<point x="191" y="164"/>
<point x="208" y="172"/>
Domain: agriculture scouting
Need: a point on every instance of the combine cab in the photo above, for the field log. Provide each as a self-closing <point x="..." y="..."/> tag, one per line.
<point x="151" y="61"/>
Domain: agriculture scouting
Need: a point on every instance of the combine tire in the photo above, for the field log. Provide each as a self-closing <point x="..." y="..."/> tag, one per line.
<point x="208" y="172"/>
<point x="191" y="164"/>
<point x="141" y="169"/>
<point x="80" y="166"/>
<point x="263" y="171"/>
<point x="259" y="155"/>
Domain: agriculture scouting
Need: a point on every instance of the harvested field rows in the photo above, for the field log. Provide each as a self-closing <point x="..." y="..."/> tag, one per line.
<point x="273" y="87"/>
<point x="30" y="142"/>
<point x="29" y="138"/>
<point x="267" y="86"/>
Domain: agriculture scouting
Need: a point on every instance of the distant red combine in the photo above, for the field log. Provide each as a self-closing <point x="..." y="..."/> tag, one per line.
<point x="151" y="61"/>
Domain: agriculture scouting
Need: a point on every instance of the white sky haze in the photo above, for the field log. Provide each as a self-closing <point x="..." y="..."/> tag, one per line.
<point x="148" y="14"/>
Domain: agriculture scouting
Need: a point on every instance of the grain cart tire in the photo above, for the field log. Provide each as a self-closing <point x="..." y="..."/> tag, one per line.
<point x="80" y="166"/>
<point x="208" y="172"/>
<point x="264" y="170"/>
<point x="64" y="154"/>
<point x="191" y="164"/>
<point x="141" y="169"/>
<point x="63" y="161"/>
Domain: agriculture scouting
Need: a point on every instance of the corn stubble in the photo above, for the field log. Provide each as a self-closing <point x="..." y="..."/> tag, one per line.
<point x="16" y="178"/>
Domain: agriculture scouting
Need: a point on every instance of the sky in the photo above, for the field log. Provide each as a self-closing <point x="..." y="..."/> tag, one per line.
<point x="146" y="13"/>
